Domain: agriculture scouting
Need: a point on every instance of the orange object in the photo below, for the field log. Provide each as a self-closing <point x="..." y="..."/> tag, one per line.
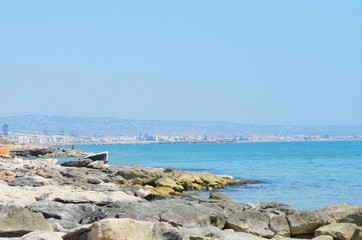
<point x="4" y="152"/>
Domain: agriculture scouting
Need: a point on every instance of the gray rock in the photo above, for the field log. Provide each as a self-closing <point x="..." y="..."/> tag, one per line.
<point x="34" y="181"/>
<point x="67" y="213"/>
<point x="177" y="212"/>
<point x="280" y="226"/>
<point x="228" y="207"/>
<point x="192" y="214"/>
<point x="275" y="208"/>
<point x="19" y="221"/>
<point x="250" y="221"/>
<point x="306" y="222"/>
<point x="82" y="162"/>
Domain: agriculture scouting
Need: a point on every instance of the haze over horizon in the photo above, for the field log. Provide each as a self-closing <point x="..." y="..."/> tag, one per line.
<point x="259" y="62"/>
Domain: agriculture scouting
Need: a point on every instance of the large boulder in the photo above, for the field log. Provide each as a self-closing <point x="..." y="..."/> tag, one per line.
<point x="345" y="212"/>
<point x="306" y="222"/>
<point x="251" y="221"/>
<point x="339" y="231"/>
<point x="16" y="220"/>
<point x="123" y="229"/>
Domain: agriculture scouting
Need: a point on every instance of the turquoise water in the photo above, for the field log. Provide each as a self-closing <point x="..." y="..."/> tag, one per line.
<point x="306" y="175"/>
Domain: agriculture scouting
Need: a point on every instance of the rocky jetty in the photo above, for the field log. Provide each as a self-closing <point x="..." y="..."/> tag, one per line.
<point x="30" y="151"/>
<point x="40" y="199"/>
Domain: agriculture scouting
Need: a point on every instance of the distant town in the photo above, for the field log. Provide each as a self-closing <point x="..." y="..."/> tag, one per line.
<point x="62" y="130"/>
<point x="62" y="139"/>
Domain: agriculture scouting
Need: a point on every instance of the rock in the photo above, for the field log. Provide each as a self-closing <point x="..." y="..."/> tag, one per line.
<point x="98" y="198"/>
<point x="339" y="231"/>
<point x="250" y="221"/>
<point x="323" y="237"/>
<point x="306" y="222"/>
<point x="42" y="235"/>
<point x="345" y="212"/>
<point x="10" y="194"/>
<point x="176" y="212"/>
<point x="96" y="164"/>
<point x="34" y="181"/>
<point x="220" y="196"/>
<point x="168" y="182"/>
<point x="19" y="221"/>
<point x="181" y="213"/>
<point x="357" y="234"/>
<point x="274" y="208"/>
<point x="7" y="176"/>
<point x="163" y="190"/>
<point x="215" y="233"/>
<point x="280" y="226"/>
<point x="123" y="229"/>
<point x="83" y="162"/>
<point x="69" y="214"/>
<point x="228" y="207"/>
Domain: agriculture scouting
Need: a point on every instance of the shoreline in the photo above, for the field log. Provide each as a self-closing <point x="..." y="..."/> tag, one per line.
<point x="204" y="142"/>
<point x="87" y="201"/>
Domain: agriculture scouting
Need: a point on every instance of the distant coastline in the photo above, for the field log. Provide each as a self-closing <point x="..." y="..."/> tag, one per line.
<point x="206" y="142"/>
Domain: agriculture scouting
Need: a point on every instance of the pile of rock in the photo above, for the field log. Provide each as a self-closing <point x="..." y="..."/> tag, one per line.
<point x="39" y="199"/>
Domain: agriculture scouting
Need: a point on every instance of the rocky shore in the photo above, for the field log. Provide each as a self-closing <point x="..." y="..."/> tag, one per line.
<point x="31" y="151"/>
<point x="40" y="199"/>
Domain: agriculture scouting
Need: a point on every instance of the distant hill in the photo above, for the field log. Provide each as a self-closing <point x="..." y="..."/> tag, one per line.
<point x="106" y="126"/>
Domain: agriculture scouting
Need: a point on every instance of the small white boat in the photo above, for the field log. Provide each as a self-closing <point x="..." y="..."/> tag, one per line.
<point x="103" y="156"/>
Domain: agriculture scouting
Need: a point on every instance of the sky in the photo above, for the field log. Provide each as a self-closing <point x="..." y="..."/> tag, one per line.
<point x="260" y="62"/>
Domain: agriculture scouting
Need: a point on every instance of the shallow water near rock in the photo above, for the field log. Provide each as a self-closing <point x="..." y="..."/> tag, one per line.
<point x="306" y="175"/>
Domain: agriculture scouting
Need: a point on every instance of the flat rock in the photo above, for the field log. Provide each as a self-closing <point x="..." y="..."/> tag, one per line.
<point x="43" y="235"/>
<point x="98" y="198"/>
<point x="19" y="221"/>
<point x="211" y="232"/>
<point x="323" y="237"/>
<point x="34" y="181"/>
<point x="339" y="231"/>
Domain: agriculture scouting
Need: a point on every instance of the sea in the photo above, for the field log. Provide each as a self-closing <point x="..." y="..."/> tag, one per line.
<point x="305" y="175"/>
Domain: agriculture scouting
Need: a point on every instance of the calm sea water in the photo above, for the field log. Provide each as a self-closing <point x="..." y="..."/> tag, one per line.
<point x="306" y="175"/>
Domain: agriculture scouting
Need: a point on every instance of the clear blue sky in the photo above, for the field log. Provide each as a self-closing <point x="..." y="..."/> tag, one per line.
<point x="262" y="62"/>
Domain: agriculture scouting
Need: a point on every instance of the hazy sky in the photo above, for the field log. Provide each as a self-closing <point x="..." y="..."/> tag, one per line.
<point x="262" y="62"/>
